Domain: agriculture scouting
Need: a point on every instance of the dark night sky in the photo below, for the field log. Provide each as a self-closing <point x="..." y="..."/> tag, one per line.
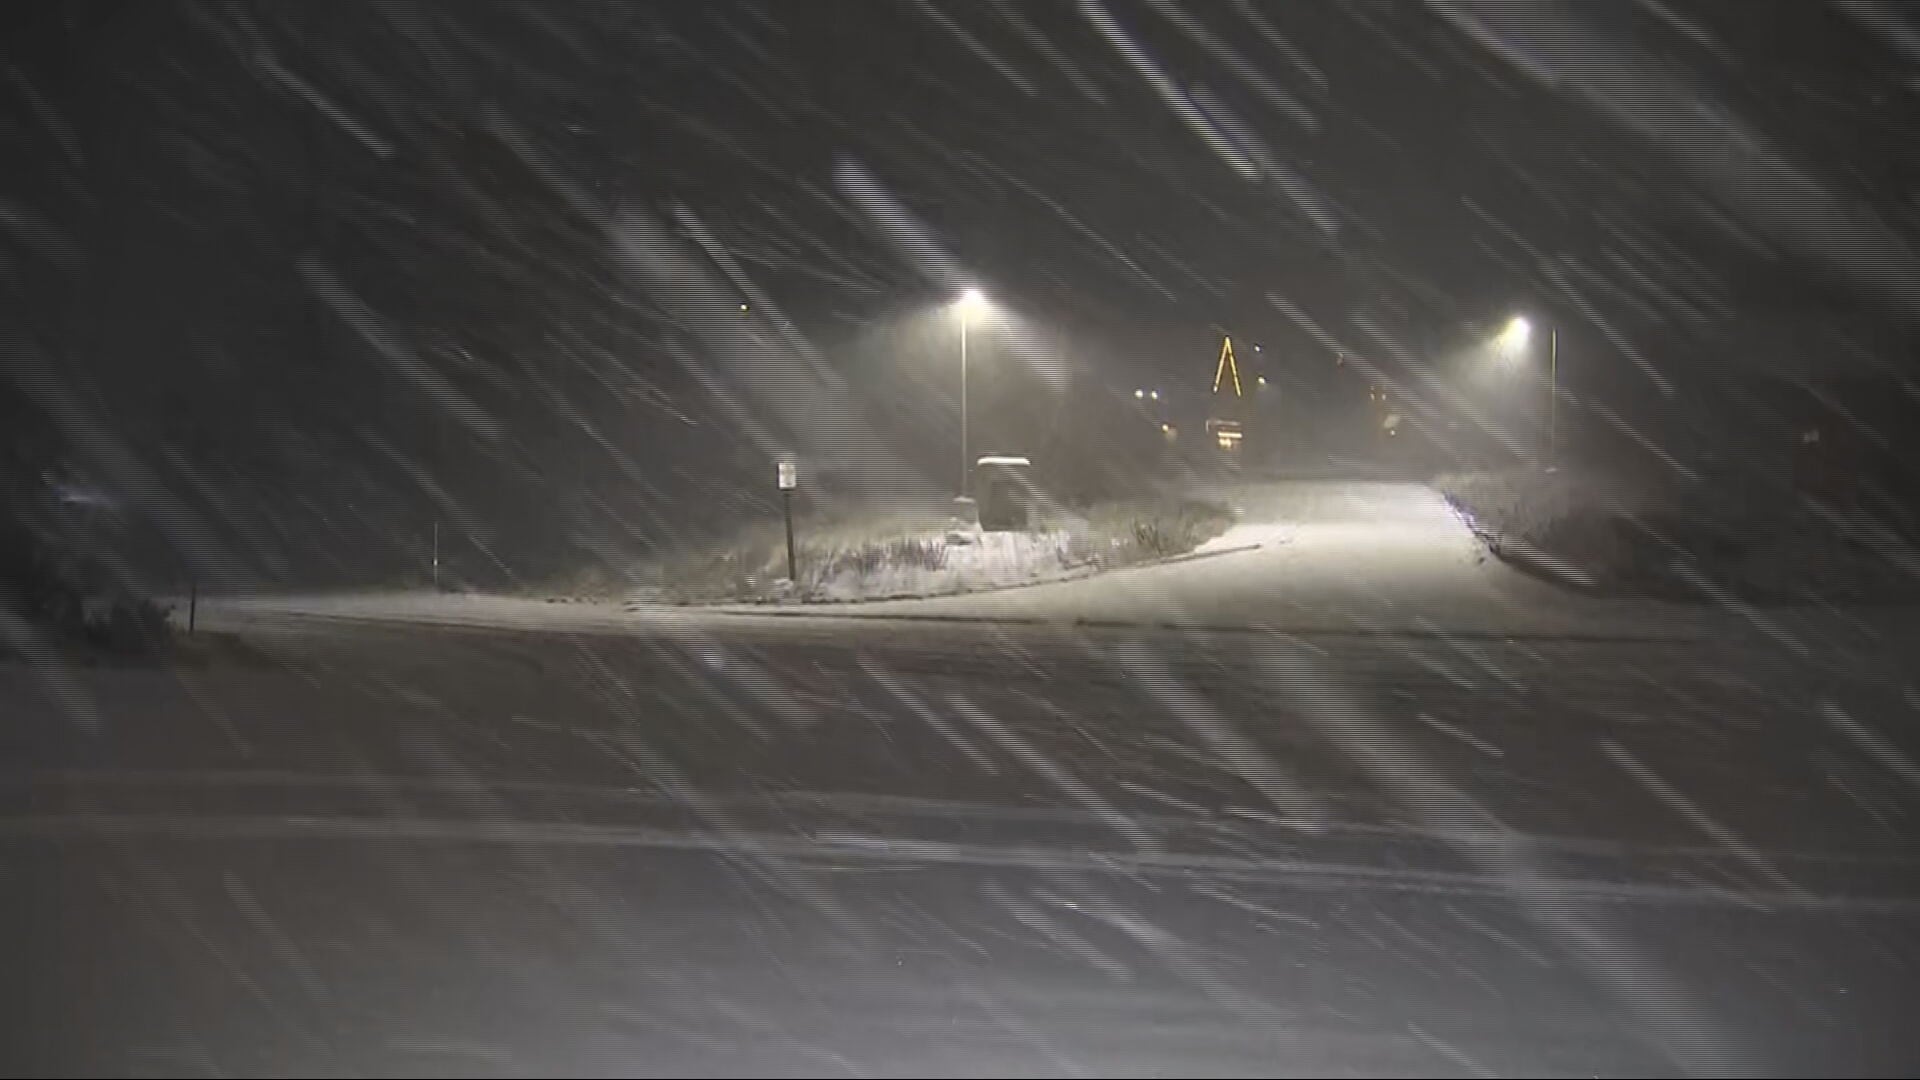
<point x="344" y="260"/>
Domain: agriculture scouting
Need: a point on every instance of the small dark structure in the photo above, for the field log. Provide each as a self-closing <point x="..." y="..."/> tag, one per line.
<point x="1003" y="491"/>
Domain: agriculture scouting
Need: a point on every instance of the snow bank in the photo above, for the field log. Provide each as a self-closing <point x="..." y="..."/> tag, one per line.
<point x="959" y="561"/>
<point x="1247" y="534"/>
<point x="898" y="558"/>
<point x="1702" y="540"/>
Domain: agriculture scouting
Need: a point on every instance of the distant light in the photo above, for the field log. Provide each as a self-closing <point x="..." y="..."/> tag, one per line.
<point x="972" y="304"/>
<point x="1155" y="395"/>
<point x="1256" y="346"/>
<point x="1139" y="394"/>
<point x="1166" y="427"/>
<point x="1261" y="379"/>
<point x="743" y="309"/>
<point x="1513" y="340"/>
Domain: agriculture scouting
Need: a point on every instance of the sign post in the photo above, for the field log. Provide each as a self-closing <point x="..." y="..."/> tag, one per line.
<point x="789" y="480"/>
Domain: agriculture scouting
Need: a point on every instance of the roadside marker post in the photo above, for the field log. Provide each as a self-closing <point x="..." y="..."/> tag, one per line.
<point x="789" y="477"/>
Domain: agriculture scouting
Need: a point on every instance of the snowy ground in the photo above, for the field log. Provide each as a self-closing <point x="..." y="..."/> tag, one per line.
<point x="856" y="558"/>
<point x="1247" y="536"/>
<point x="988" y="561"/>
<point x="1303" y="558"/>
<point x="1345" y="556"/>
<point x="1700" y="541"/>
<point x="985" y="560"/>
<point x="1407" y="789"/>
<point x="504" y="836"/>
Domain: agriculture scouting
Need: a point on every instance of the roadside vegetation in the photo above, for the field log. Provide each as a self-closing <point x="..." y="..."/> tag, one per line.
<point x="850" y="555"/>
<point x="1702" y="539"/>
<point x="58" y="597"/>
<point x="1125" y="533"/>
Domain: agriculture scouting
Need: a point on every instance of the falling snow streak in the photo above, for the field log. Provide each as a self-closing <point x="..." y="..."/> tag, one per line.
<point x="1057" y="61"/>
<point x="1164" y="87"/>
<point x="1636" y="982"/>
<point x="1281" y="101"/>
<point x="436" y="360"/>
<point x="1708" y="139"/>
<point x="1554" y="273"/>
<point x="974" y="46"/>
<point x="398" y="356"/>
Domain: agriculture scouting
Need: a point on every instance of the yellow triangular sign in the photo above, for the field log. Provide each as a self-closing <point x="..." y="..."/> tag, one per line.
<point x="1226" y="366"/>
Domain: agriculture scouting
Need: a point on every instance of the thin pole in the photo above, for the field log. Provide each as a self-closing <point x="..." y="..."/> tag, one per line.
<point x="963" y="404"/>
<point x="793" y="564"/>
<point x="1553" y="395"/>
<point x="436" y="556"/>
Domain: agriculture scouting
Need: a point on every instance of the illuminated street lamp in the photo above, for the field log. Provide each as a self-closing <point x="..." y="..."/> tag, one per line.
<point x="1514" y="338"/>
<point x="971" y="305"/>
<point x="1512" y="343"/>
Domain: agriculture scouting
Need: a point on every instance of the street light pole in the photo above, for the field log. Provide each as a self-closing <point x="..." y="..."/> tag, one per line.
<point x="963" y="401"/>
<point x="1513" y="342"/>
<point x="970" y="304"/>
<point x="1553" y="395"/>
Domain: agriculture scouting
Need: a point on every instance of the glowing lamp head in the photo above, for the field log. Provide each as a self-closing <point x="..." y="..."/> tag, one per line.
<point x="972" y="305"/>
<point x="1513" y="340"/>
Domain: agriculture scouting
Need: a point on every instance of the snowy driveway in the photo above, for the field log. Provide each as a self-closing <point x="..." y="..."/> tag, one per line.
<point x="1320" y="555"/>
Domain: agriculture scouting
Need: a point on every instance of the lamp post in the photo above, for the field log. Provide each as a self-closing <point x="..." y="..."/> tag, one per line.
<point x="1513" y="340"/>
<point x="968" y="307"/>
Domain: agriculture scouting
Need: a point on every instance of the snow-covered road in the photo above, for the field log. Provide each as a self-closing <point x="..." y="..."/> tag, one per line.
<point x="1304" y="557"/>
<point x="555" y="836"/>
<point x="1322" y="555"/>
<point x="957" y="836"/>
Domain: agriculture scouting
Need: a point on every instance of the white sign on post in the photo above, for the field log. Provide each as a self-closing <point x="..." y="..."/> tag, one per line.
<point x="789" y="479"/>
